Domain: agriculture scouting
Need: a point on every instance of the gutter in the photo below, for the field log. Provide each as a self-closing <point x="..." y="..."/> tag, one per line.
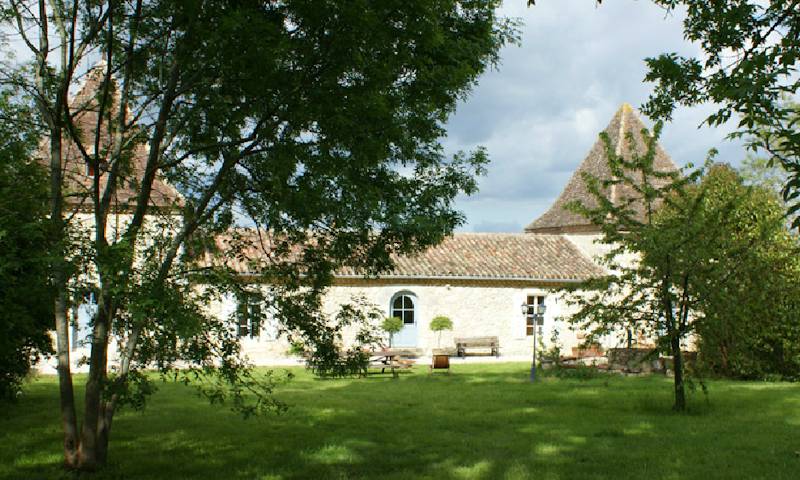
<point x="554" y="281"/>
<point x="463" y="277"/>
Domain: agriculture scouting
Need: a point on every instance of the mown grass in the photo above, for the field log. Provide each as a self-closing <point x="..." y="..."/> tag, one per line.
<point x="481" y="422"/>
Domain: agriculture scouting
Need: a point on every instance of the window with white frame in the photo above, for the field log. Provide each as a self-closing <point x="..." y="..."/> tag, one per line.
<point x="249" y="314"/>
<point x="530" y="318"/>
<point x="256" y="317"/>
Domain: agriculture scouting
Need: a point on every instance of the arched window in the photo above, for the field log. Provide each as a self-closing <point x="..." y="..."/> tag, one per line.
<point x="403" y="307"/>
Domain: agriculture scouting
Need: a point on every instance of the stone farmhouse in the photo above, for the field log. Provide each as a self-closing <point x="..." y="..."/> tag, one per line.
<point x="478" y="280"/>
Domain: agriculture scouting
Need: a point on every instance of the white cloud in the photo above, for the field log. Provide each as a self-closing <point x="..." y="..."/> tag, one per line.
<point x="540" y="113"/>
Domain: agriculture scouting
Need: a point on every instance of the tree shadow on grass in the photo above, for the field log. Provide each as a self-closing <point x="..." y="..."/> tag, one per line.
<point x="480" y="424"/>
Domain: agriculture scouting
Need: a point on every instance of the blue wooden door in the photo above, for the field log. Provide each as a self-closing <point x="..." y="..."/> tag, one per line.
<point x="404" y="307"/>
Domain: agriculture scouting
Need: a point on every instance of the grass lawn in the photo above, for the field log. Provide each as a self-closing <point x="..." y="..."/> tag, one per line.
<point x="482" y="422"/>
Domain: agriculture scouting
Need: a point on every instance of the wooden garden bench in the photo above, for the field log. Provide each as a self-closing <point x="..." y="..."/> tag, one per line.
<point x="492" y="343"/>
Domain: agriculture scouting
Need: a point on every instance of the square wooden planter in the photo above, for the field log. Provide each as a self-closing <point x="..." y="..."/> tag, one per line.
<point x="440" y="361"/>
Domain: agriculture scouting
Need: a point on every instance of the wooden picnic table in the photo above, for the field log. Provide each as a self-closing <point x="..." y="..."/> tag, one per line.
<point x="388" y="359"/>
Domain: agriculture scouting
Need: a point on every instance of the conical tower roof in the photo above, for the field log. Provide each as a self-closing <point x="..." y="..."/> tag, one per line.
<point x="78" y="179"/>
<point x="558" y="219"/>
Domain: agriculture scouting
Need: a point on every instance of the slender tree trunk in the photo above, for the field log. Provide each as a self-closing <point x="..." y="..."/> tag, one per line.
<point x="67" y="398"/>
<point x="677" y="359"/>
<point x="51" y="114"/>
<point x="94" y="411"/>
<point x="723" y="349"/>
<point x="69" y="420"/>
<point x="674" y="332"/>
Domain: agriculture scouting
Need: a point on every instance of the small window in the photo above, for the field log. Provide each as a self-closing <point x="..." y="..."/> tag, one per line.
<point x="249" y="315"/>
<point x="530" y="319"/>
<point x="403" y="308"/>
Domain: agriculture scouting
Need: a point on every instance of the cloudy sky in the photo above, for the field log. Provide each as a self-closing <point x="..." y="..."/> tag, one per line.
<point x="541" y="111"/>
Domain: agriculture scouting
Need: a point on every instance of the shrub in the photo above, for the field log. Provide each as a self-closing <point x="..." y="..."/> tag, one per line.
<point x="329" y="358"/>
<point x="439" y="324"/>
<point x="296" y="348"/>
<point x="392" y="325"/>
<point x="338" y="364"/>
<point x="577" y="372"/>
<point x="550" y="355"/>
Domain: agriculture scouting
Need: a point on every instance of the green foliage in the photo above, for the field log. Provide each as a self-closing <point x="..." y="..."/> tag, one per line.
<point x="296" y="348"/>
<point x="748" y="290"/>
<point x="187" y="344"/>
<point x="321" y="121"/>
<point x="440" y="323"/>
<point x="392" y="325"/>
<point x="345" y="364"/>
<point x="552" y="354"/>
<point x="330" y="358"/>
<point x="575" y="372"/>
<point x="26" y="299"/>
<point x="758" y="171"/>
<point x="713" y="259"/>
<point x="747" y="67"/>
<point x="651" y="284"/>
<point x="765" y="172"/>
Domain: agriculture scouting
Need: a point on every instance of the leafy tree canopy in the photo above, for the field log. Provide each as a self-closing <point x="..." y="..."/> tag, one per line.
<point x="748" y="67"/>
<point x="748" y="288"/>
<point x="650" y="284"/>
<point x="25" y="296"/>
<point x="317" y="121"/>
<point x="392" y="325"/>
<point x="440" y="323"/>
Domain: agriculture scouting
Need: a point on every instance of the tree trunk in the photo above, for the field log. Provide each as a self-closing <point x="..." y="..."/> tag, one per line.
<point x="677" y="360"/>
<point x="104" y="432"/>
<point x="67" y="397"/>
<point x="674" y="331"/>
<point x="69" y="420"/>
<point x="94" y="435"/>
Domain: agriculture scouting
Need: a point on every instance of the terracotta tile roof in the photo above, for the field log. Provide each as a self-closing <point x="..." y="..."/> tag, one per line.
<point x="77" y="182"/>
<point x="498" y="256"/>
<point x="489" y="256"/>
<point x="560" y="220"/>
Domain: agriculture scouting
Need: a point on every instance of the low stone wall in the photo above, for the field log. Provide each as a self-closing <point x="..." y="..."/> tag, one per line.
<point x="635" y="360"/>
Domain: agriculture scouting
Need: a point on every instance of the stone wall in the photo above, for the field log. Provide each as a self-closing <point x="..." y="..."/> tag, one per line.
<point x="477" y="308"/>
<point x="637" y="360"/>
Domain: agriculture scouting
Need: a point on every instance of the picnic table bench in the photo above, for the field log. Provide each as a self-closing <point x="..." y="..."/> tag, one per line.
<point x="389" y="360"/>
<point x="491" y="343"/>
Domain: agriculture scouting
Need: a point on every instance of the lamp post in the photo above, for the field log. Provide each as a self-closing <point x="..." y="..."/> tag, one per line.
<point x="536" y="312"/>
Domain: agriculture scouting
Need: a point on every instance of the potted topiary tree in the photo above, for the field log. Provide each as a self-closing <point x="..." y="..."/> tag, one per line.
<point x="439" y="324"/>
<point x="392" y="325"/>
<point x="440" y="359"/>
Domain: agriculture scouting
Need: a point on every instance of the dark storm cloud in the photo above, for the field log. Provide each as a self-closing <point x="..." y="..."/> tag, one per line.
<point x="541" y="111"/>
